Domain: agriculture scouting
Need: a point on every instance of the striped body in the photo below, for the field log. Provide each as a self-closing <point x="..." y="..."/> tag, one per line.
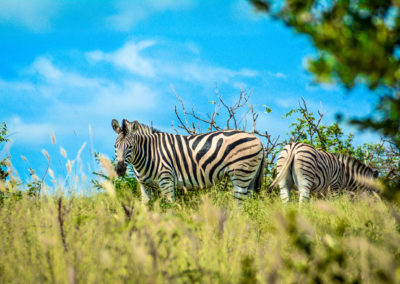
<point x="169" y="161"/>
<point x="317" y="171"/>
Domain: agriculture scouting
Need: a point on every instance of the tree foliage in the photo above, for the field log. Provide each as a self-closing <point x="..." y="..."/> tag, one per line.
<point x="4" y="162"/>
<point x="357" y="42"/>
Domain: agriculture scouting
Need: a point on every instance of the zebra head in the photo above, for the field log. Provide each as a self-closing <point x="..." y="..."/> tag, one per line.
<point x="123" y="145"/>
<point x="359" y="176"/>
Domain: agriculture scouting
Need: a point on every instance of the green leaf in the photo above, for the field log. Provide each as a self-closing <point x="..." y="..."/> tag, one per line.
<point x="267" y="109"/>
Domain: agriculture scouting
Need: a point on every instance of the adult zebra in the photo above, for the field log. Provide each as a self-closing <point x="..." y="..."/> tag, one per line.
<point x="169" y="161"/>
<point x="313" y="170"/>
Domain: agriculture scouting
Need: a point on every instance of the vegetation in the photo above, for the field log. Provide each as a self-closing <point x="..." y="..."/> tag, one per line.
<point x="95" y="239"/>
<point x="4" y="162"/>
<point x="108" y="235"/>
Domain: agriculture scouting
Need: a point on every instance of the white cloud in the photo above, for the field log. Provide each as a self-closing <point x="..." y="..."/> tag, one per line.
<point x="313" y="87"/>
<point x="128" y="58"/>
<point x="193" y="47"/>
<point x="287" y="101"/>
<point x="44" y="67"/>
<point x="28" y="132"/>
<point x="115" y="99"/>
<point x="278" y="75"/>
<point x="129" y="13"/>
<point x="16" y="86"/>
<point x="195" y="72"/>
<point x="290" y="101"/>
<point x="33" y="14"/>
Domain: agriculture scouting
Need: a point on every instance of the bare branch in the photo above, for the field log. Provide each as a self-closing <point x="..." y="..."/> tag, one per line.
<point x="185" y="126"/>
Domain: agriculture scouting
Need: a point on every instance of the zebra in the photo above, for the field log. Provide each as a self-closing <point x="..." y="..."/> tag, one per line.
<point x="318" y="171"/>
<point x="168" y="161"/>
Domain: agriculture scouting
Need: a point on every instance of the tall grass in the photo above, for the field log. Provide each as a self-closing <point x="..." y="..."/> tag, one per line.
<point x="113" y="238"/>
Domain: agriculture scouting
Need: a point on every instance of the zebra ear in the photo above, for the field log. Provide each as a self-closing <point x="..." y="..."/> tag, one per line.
<point x="126" y="126"/>
<point x="115" y="126"/>
<point x="375" y="174"/>
<point x="135" y="125"/>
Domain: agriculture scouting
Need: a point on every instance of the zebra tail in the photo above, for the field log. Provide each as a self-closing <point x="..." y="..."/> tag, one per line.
<point x="260" y="175"/>
<point x="284" y="169"/>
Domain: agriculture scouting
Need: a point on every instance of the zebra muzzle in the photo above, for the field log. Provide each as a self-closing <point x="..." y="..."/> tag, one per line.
<point x="120" y="169"/>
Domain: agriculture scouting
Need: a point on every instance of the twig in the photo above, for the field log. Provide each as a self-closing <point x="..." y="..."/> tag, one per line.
<point x="61" y="223"/>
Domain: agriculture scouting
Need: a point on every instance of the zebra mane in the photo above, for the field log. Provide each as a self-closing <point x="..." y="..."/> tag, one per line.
<point x="355" y="162"/>
<point x="145" y="129"/>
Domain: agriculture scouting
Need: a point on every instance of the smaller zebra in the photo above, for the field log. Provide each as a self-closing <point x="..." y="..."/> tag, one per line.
<point x="317" y="171"/>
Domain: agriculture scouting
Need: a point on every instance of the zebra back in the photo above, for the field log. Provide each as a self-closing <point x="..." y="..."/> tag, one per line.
<point x="357" y="175"/>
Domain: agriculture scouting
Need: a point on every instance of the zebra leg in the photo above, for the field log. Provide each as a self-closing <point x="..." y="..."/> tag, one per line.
<point x="334" y="191"/>
<point x="304" y="194"/>
<point x="243" y="186"/>
<point x="167" y="186"/>
<point x="285" y="186"/>
<point x="145" y="194"/>
<point x="242" y="189"/>
<point x="304" y="187"/>
<point x="303" y="183"/>
<point x="303" y="174"/>
<point x="241" y="193"/>
<point x="285" y="193"/>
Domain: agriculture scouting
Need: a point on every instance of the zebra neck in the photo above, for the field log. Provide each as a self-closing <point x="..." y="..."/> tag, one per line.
<point x="354" y="172"/>
<point x="141" y="154"/>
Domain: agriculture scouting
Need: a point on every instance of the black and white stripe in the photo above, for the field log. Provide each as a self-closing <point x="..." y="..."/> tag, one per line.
<point x="317" y="171"/>
<point x="169" y="161"/>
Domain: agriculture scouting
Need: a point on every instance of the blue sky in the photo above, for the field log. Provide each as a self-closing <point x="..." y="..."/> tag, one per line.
<point x="69" y="67"/>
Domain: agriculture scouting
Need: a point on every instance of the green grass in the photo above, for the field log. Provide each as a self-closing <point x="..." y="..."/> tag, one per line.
<point x="207" y="238"/>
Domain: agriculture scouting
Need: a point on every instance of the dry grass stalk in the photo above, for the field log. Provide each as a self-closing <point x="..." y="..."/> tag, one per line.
<point x="107" y="167"/>
<point x="78" y="156"/>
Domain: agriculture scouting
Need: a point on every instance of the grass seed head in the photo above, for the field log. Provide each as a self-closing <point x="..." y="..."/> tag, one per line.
<point x="325" y="207"/>
<point x="107" y="166"/>
<point x="51" y="173"/>
<point x="53" y="138"/>
<point x="63" y="152"/>
<point x="109" y="188"/>
<point x="68" y="166"/>
<point x="46" y="154"/>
